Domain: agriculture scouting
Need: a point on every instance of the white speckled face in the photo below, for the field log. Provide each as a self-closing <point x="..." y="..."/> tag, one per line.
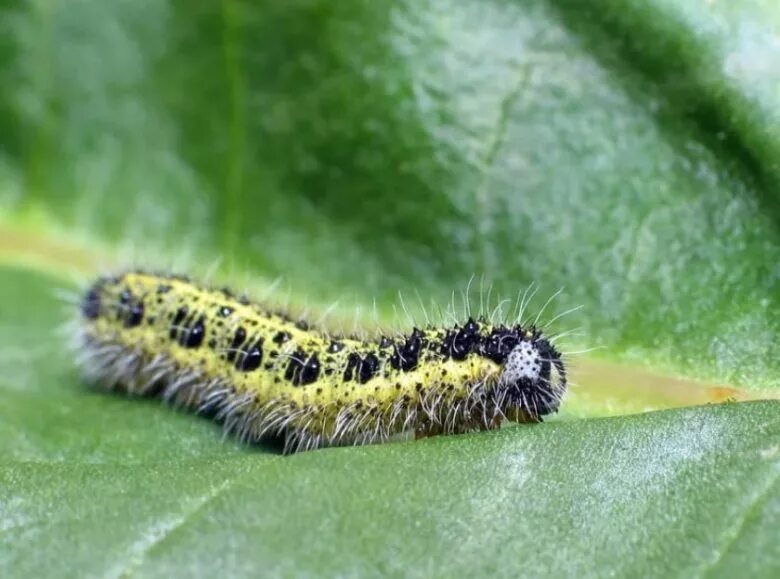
<point x="524" y="361"/>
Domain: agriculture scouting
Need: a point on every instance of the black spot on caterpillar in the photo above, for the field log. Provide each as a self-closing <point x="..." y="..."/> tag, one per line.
<point x="264" y="375"/>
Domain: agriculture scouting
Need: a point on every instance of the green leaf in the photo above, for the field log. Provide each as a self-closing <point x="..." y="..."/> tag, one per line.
<point x="113" y="488"/>
<point x="624" y="149"/>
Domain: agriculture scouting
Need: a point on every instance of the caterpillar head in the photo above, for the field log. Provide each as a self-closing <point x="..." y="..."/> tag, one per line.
<point x="532" y="380"/>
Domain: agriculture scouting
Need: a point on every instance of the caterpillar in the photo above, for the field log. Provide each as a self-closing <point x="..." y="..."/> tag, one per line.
<point x="265" y="375"/>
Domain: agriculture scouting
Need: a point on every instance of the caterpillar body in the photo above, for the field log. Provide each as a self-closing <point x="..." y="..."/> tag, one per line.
<point x="263" y="374"/>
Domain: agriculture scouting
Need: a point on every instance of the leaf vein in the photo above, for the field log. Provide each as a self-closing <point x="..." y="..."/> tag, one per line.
<point x="737" y="529"/>
<point x="161" y="530"/>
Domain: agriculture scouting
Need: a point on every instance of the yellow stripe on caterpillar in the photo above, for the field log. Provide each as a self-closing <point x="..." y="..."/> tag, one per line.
<point x="265" y="375"/>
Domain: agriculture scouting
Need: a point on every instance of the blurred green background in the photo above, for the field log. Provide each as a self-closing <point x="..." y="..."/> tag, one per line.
<point x="626" y="150"/>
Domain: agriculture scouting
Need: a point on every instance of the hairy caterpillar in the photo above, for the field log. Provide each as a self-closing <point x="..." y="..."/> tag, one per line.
<point x="265" y="375"/>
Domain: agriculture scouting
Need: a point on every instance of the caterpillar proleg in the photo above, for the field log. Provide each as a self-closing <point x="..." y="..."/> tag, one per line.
<point x="264" y="374"/>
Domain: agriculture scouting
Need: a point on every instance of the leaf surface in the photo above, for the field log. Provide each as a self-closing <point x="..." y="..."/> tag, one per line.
<point x="623" y="149"/>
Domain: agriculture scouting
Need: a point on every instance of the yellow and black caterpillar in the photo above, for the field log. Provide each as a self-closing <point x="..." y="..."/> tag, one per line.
<point x="265" y="375"/>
